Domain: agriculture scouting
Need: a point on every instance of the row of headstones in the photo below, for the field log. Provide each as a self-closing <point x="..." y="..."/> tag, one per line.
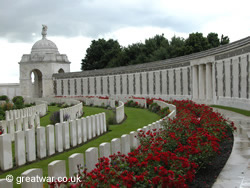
<point x="119" y="112"/>
<point x="57" y="169"/>
<point x="40" y="109"/>
<point x="73" y="112"/>
<point x="42" y="142"/>
<point x="19" y="124"/>
<point x="95" y="101"/>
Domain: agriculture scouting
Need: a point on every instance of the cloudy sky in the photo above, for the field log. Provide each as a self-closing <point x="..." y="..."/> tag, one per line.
<point x="73" y="24"/>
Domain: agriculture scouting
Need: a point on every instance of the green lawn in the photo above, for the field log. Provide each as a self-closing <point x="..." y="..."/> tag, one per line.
<point x="136" y="118"/>
<point x="237" y="110"/>
<point x="44" y="121"/>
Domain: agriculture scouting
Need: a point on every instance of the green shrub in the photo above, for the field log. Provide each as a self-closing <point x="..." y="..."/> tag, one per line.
<point x="4" y="98"/>
<point x="18" y="102"/>
<point x="111" y="120"/>
<point x="64" y="105"/>
<point x="2" y="114"/>
<point x="29" y="105"/>
<point x="55" y="118"/>
<point x="154" y="107"/>
<point x="7" y="106"/>
<point x="52" y="104"/>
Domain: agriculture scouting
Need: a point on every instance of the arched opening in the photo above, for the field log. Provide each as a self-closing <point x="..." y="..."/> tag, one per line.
<point x="36" y="78"/>
<point x="60" y="71"/>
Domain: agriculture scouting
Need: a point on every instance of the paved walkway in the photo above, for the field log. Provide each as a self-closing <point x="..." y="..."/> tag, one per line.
<point x="236" y="172"/>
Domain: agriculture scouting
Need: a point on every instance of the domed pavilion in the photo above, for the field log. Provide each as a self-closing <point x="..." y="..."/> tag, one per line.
<point x="37" y="68"/>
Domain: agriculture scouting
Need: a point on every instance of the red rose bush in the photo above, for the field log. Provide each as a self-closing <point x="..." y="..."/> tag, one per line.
<point x="168" y="157"/>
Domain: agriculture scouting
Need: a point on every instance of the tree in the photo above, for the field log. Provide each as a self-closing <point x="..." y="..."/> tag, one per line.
<point x="213" y="40"/>
<point x="100" y="53"/>
<point x="224" y="40"/>
<point x="176" y="47"/>
<point x="196" y="43"/>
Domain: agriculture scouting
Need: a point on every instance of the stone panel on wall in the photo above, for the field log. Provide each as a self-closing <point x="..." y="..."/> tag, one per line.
<point x="164" y="82"/>
<point x="235" y="77"/>
<point x="124" y="84"/>
<point x="111" y="85"/>
<point x="59" y="87"/>
<point x="171" y="81"/>
<point x="118" y="84"/>
<point x="185" y="81"/>
<point x="220" y="78"/>
<point x="178" y="81"/>
<point x="151" y="83"/>
<point x="65" y="87"/>
<point x="91" y="86"/>
<point x="78" y="86"/>
<point x="157" y="83"/>
<point x="98" y="86"/>
<point x="131" y="84"/>
<point x="137" y="84"/>
<point x="244" y="73"/>
<point x="105" y="85"/>
<point x="85" y="86"/>
<point x="227" y="78"/>
<point x="144" y="83"/>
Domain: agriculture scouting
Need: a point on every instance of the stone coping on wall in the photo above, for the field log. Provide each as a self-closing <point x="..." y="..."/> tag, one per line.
<point x="220" y="52"/>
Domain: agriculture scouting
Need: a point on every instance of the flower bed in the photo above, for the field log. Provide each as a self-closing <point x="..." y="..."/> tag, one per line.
<point x="169" y="157"/>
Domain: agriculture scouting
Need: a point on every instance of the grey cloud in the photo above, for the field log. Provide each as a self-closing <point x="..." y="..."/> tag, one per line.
<point x="80" y="17"/>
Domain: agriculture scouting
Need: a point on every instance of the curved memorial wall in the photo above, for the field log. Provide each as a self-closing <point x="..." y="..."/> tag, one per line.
<point x="217" y="76"/>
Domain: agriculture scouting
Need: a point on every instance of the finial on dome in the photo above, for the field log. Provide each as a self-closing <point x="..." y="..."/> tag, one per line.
<point x="44" y="31"/>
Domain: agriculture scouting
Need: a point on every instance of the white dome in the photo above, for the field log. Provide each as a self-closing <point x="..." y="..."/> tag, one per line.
<point x="44" y="46"/>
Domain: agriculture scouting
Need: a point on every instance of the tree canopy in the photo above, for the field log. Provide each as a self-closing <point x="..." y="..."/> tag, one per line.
<point x="109" y="53"/>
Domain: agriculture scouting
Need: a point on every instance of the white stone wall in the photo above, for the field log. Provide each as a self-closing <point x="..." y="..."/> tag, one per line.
<point x="11" y="90"/>
<point x="204" y="81"/>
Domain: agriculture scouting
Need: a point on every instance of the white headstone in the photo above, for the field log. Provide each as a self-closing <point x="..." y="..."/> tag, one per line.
<point x="5" y="152"/>
<point x="57" y="169"/>
<point x="115" y="146"/>
<point x="32" y="174"/>
<point x="59" y="138"/>
<point x="93" y="122"/>
<point x="89" y="127"/>
<point x="73" y="136"/>
<point x="20" y="154"/>
<point x="98" y="127"/>
<point x="101" y="123"/>
<point x="30" y="145"/>
<point x="50" y="139"/>
<point x="41" y="142"/>
<point x="11" y="128"/>
<point x="79" y="130"/>
<point x="84" y="130"/>
<point x="133" y="140"/>
<point x="104" y="122"/>
<point x="5" y="184"/>
<point x="75" y="162"/>
<point x="104" y="149"/>
<point x="19" y="124"/>
<point x="125" y="144"/>
<point x="65" y="135"/>
<point x="25" y="123"/>
<point x="91" y="155"/>
<point x="37" y="120"/>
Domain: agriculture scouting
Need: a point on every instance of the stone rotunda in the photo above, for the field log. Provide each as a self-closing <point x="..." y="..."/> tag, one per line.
<point x="37" y="68"/>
